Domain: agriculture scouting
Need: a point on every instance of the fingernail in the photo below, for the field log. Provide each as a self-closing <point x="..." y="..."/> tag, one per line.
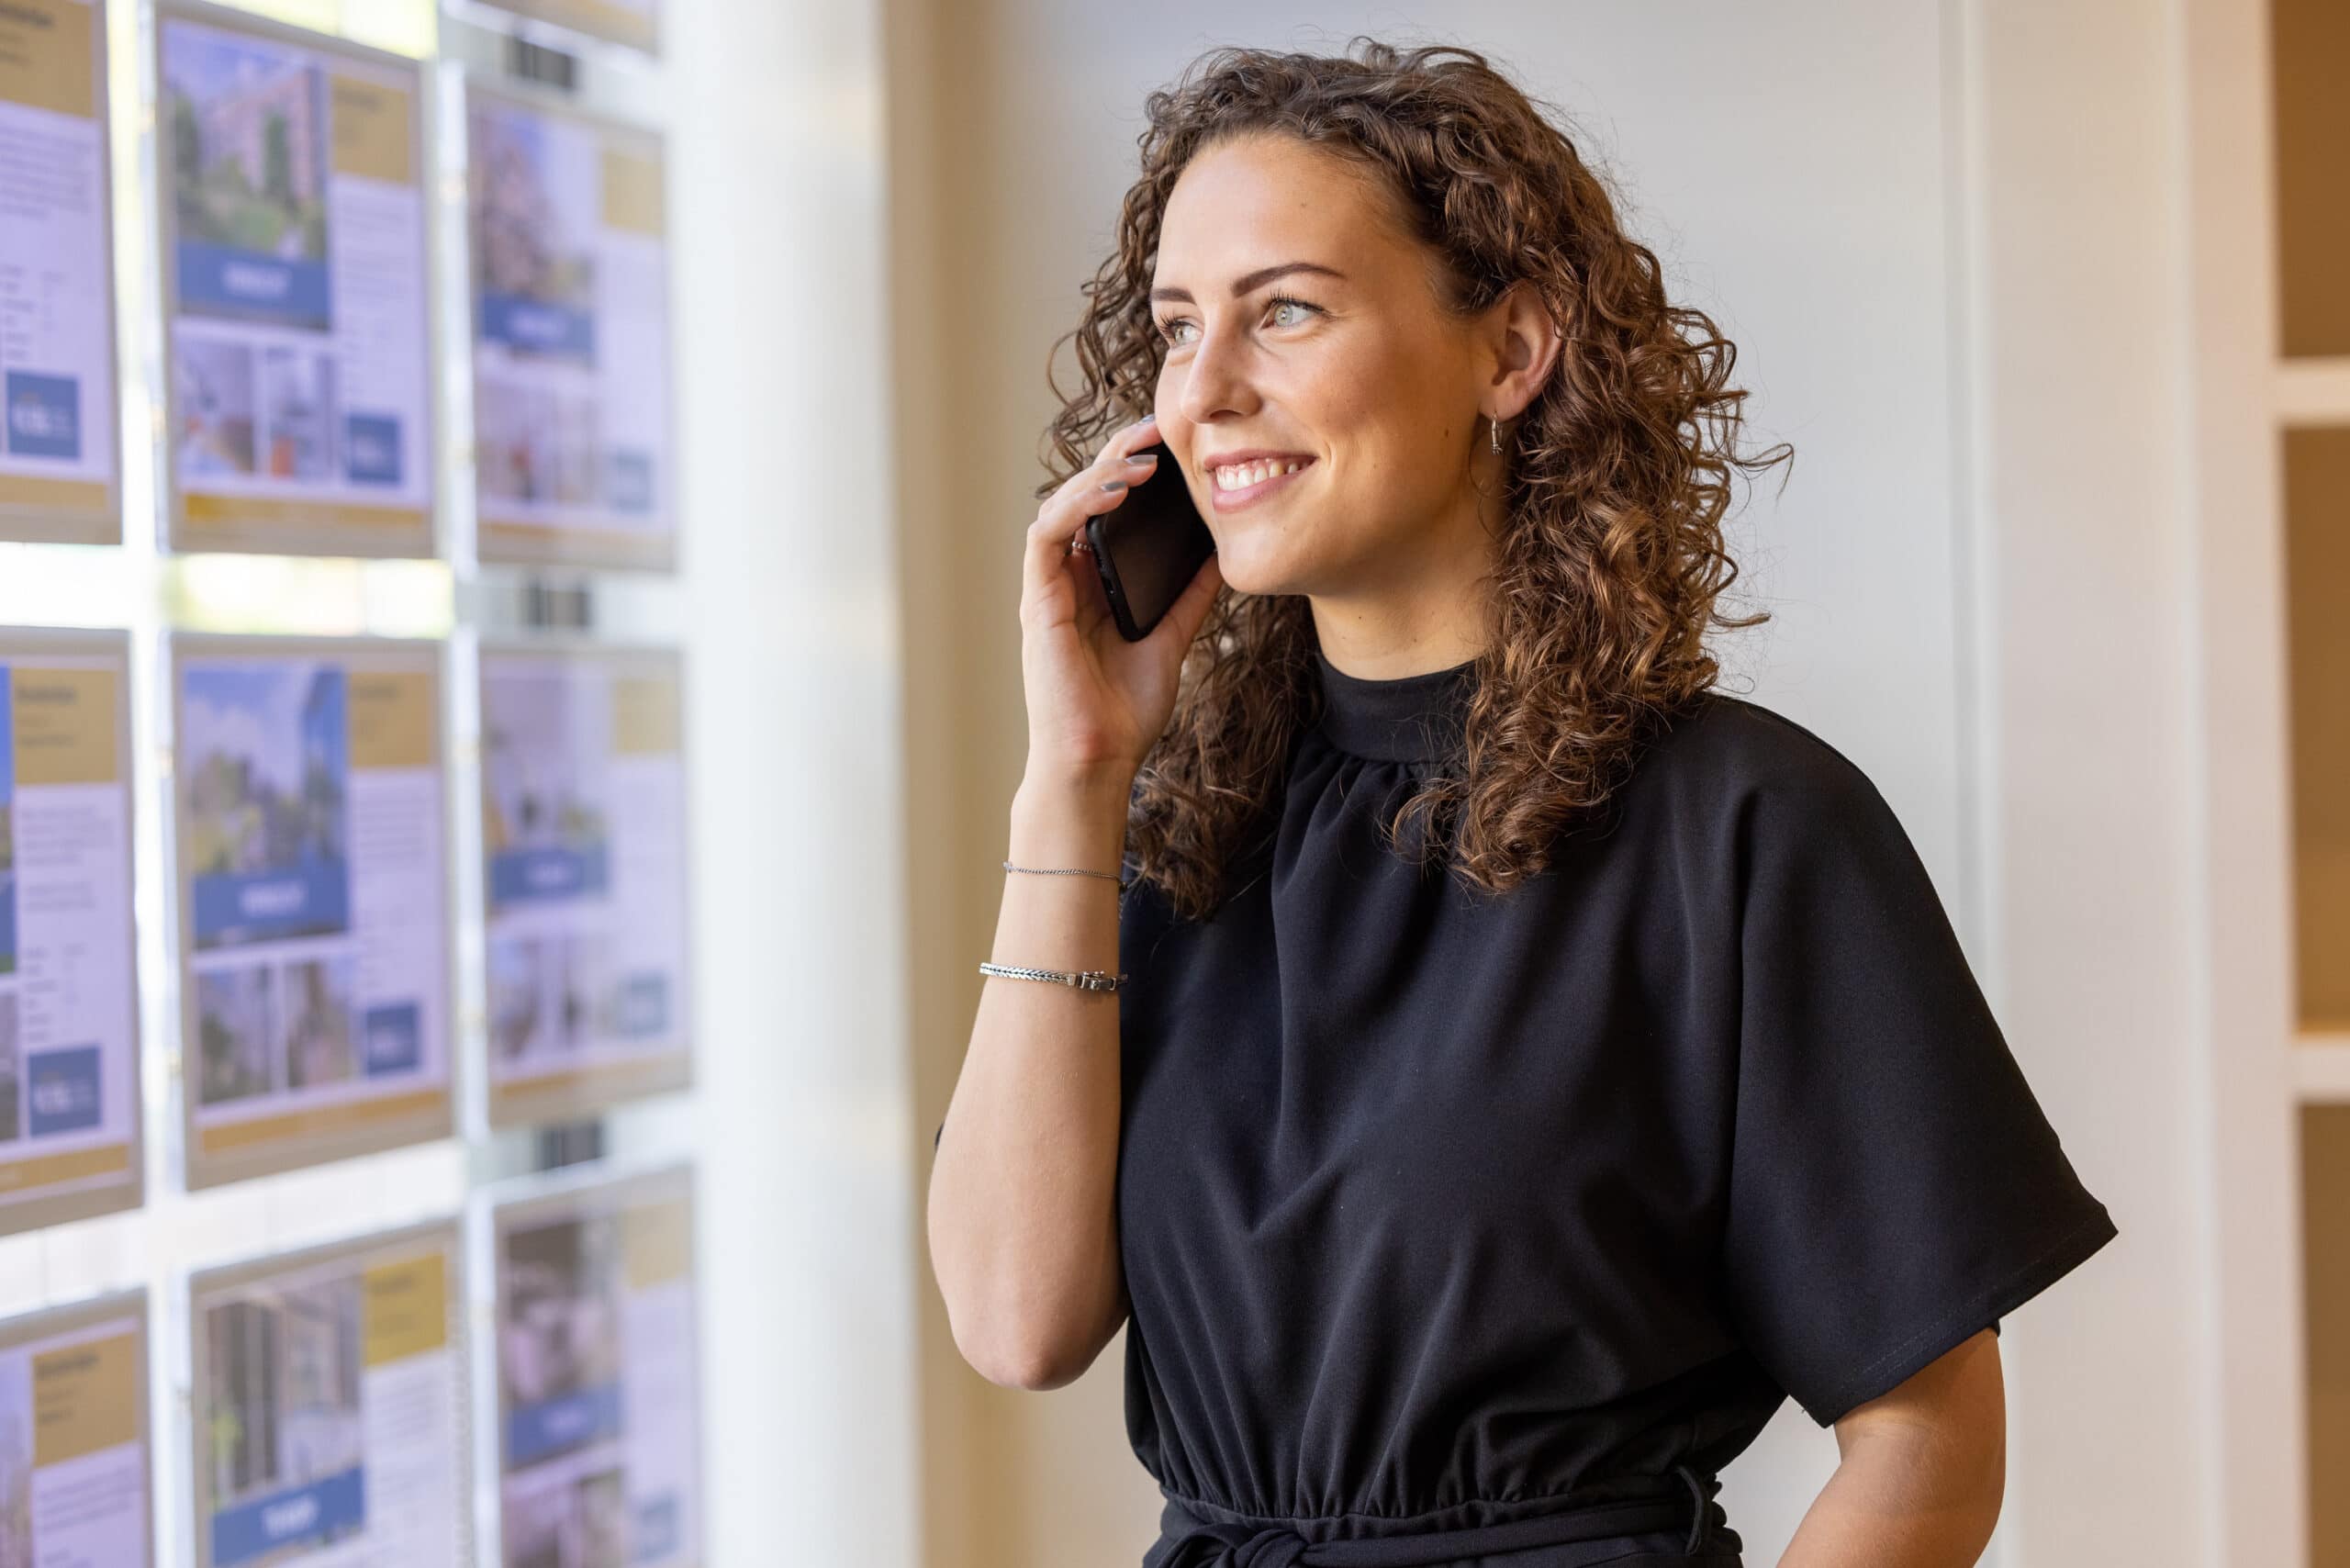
<point x="1114" y="485"/>
<point x="1148" y="418"/>
<point x="1142" y="457"/>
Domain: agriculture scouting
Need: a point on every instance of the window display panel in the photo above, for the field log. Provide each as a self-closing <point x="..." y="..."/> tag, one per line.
<point x="573" y="458"/>
<point x="56" y="379"/>
<point x="294" y="290"/>
<point x="327" y="1392"/>
<point x="635" y="22"/>
<point x="598" y="1401"/>
<point x="73" y="1437"/>
<point x="69" y="1015"/>
<point x="584" y="848"/>
<point x="311" y="836"/>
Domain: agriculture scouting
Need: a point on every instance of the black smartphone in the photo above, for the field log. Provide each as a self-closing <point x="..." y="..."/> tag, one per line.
<point x="1148" y="548"/>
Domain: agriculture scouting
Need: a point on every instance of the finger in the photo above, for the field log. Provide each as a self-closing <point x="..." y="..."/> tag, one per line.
<point x="1112" y="464"/>
<point x="1056" y="526"/>
<point x="1085" y="580"/>
<point x="1067" y="512"/>
<point x="1109" y="460"/>
<point x="1143" y="432"/>
<point x="1045" y="594"/>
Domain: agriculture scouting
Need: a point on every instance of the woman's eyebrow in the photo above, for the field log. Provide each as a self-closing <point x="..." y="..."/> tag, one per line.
<point x="1248" y="282"/>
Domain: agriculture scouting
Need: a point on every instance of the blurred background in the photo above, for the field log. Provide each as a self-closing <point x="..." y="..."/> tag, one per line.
<point x="2053" y="300"/>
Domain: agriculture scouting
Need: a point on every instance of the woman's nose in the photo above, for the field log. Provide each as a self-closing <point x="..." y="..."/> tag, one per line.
<point x="1216" y="380"/>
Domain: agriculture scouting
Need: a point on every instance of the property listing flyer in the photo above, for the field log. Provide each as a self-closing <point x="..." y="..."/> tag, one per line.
<point x="328" y="1391"/>
<point x="294" y="294"/>
<point x="599" y="1404"/>
<point x="571" y="338"/>
<point x="313" y="902"/>
<point x="57" y="443"/>
<point x="69" y="1017"/>
<point x="635" y="22"/>
<point x="74" y="1443"/>
<point x="584" y="843"/>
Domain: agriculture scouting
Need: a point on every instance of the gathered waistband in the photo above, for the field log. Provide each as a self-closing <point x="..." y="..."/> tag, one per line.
<point x="1199" y="1535"/>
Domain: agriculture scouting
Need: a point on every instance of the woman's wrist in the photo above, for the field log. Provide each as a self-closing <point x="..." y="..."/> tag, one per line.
<point x="1074" y="818"/>
<point x="1087" y="787"/>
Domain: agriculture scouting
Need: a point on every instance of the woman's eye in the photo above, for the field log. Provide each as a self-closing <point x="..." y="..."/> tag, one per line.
<point x="1281" y="302"/>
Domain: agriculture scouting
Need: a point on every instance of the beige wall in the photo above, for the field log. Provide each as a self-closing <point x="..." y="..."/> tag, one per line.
<point x="960" y="516"/>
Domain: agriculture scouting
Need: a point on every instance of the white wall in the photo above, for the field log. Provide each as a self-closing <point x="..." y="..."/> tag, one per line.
<point x="778" y="159"/>
<point x="1946" y="236"/>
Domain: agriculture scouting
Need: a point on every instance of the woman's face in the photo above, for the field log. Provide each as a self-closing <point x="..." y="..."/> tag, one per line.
<point x="1303" y="328"/>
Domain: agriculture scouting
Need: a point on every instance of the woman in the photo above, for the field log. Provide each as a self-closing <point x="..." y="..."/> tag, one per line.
<point x="1530" y="1066"/>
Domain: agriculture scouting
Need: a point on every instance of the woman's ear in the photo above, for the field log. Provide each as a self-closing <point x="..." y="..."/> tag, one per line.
<point x="1526" y="340"/>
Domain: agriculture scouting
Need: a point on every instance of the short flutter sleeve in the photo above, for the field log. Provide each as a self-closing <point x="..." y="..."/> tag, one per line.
<point x="1895" y="1186"/>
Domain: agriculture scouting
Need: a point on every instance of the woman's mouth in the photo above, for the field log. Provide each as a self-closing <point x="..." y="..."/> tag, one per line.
<point x="1235" y="485"/>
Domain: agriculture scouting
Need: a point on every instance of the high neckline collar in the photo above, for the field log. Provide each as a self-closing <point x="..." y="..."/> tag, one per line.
<point x="1412" y="717"/>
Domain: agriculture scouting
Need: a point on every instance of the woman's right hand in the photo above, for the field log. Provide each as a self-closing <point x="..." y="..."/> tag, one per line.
<point x="1098" y="704"/>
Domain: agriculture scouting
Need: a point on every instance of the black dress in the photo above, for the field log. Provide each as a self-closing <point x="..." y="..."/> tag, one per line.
<point x="1468" y="1231"/>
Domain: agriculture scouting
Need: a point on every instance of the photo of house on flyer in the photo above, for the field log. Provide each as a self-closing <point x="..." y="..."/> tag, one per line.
<point x="312" y="837"/>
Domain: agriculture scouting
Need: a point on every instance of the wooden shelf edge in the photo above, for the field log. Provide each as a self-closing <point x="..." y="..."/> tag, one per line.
<point x="2312" y="391"/>
<point x="2321" y="1069"/>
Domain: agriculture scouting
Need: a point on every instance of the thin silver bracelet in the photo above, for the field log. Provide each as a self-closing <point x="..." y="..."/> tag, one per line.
<point x="1124" y="883"/>
<point x="1083" y="979"/>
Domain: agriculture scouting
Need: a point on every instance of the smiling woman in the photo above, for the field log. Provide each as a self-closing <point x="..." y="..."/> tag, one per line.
<point x="1393" y="270"/>
<point x="1478" y="1217"/>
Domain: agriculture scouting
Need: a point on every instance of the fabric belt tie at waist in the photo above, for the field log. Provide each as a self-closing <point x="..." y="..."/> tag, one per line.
<point x="1203" y="1544"/>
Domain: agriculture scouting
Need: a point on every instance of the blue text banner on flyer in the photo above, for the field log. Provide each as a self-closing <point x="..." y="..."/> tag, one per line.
<point x="57" y="427"/>
<point x="68" y="1022"/>
<point x="598" y="1401"/>
<point x="329" y="1395"/>
<point x="312" y="829"/>
<point x="583" y="836"/>
<point x="571" y="338"/>
<point x="73" y="1441"/>
<point x="301" y="379"/>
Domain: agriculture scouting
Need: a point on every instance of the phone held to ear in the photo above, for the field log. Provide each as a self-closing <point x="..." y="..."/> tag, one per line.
<point x="1148" y="548"/>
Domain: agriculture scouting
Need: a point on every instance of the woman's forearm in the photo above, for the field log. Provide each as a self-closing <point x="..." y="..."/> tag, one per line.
<point x="1907" y="1497"/>
<point x="1022" y="1234"/>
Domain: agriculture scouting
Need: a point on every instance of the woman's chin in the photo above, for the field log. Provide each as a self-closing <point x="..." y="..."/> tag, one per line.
<point x="1253" y="572"/>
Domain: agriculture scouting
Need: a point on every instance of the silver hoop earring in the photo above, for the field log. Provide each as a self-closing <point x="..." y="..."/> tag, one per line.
<point x="1496" y="426"/>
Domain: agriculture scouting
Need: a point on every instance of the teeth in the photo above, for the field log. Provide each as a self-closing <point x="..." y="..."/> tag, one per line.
<point x="1241" y="476"/>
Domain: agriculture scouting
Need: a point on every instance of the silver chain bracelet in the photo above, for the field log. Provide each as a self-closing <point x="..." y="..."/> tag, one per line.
<point x="1124" y="883"/>
<point x="1083" y="979"/>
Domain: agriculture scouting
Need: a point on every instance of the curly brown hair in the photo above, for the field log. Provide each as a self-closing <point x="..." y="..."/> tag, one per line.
<point x="1610" y="558"/>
